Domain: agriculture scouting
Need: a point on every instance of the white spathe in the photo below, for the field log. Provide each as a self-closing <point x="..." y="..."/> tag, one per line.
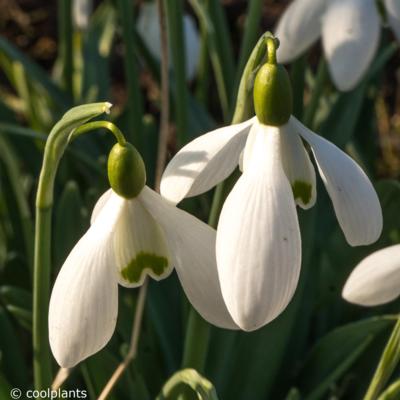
<point x="258" y="239"/>
<point x="350" y="31"/>
<point x="148" y="27"/>
<point x="127" y="241"/>
<point x="376" y="279"/>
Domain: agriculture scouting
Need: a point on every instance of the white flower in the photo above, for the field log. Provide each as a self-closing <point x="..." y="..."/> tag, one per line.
<point x="127" y="241"/>
<point x="258" y="238"/>
<point x="148" y="27"/>
<point x="376" y="279"/>
<point x="350" y="31"/>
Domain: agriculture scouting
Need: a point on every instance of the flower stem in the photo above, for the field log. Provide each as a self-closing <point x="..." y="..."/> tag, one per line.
<point x="41" y="283"/>
<point x="90" y="126"/>
<point x="196" y="342"/>
<point x="312" y="106"/>
<point x="387" y="364"/>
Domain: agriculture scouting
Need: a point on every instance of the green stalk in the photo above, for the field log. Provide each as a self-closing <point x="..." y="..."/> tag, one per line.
<point x="66" y="45"/>
<point x="387" y="364"/>
<point x="174" y="12"/>
<point x="41" y="290"/>
<point x="251" y="34"/>
<point x="312" y="106"/>
<point x="54" y="149"/>
<point x="135" y="102"/>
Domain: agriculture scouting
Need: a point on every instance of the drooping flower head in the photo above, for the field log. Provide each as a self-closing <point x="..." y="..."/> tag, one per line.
<point x="258" y="238"/>
<point x="376" y="279"/>
<point x="350" y="31"/>
<point x="134" y="234"/>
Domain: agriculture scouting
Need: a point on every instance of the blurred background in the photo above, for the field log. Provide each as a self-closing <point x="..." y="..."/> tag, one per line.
<point x="53" y="57"/>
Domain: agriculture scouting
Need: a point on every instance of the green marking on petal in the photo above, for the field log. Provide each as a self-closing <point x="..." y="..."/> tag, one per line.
<point x="134" y="270"/>
<point x="302" y="190"/>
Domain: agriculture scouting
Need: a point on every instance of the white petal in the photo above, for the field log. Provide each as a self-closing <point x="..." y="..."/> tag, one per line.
<point x="393" y="13"/>
<point x="84" y="301"/>
<point x="350" y="34"/>
<point x="204" y="162"/>
<point x="140" y="246"/>
<point x="354" y="198"/>
<point x="101" y="202"/>
<point x="298" y="167"/>
<point x="376" y="279"/>
<point x="299" y="27"/>
<point x="192" y="248"/>
<point x="258" y="238"/>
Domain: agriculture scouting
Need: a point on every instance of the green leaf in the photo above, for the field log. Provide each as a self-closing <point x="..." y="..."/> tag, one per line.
<point x="12" y="361"/>
<point x="334" y="354"/>
<point x="392" y="392"/>
<point x="187" y="384"/>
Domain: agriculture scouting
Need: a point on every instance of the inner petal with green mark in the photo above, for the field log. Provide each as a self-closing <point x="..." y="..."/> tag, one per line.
<point x="144" y="263"/>
<point x="140" y="246"/>
<point x="302" y="190"/>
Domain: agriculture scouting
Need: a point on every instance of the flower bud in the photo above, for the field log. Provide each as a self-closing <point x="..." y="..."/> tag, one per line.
<point x="272" y="90"/>
<point x="126" y="170"/>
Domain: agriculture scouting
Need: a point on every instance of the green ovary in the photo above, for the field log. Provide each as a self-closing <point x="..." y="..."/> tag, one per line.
<point x="134" y="270"/>
<point x="302" y="190"/>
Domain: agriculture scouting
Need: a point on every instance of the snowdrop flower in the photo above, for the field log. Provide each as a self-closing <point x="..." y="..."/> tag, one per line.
<point x="134" y="233"/>
<point x="149" y="29"/>
<point x="376" y="279"/>
<point x="258" y="238"/>
<point x="350" y="31"/>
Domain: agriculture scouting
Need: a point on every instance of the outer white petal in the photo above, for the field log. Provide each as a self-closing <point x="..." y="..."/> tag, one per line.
<point x="140" y="246"/>
<point x="354" y="198"/>
<point x="258" y="238"/>
<point x="393" y="13"/>
<point x="204" y="162"/>
<point x="101" y="202"/>
<point x="298" y="167"/>
<point x="192" y="248"/>
<point x="376" y="279"/>
<point x="84" y="301"/>
<point x="299" y="27"/>
<point x="350" y="34"/>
